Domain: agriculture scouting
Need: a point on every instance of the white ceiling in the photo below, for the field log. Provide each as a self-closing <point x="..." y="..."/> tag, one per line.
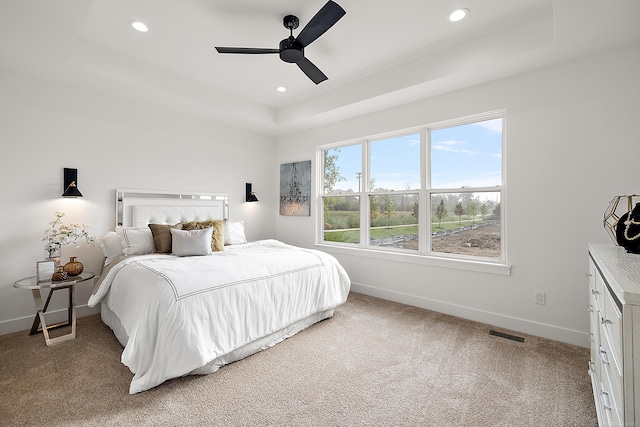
<point x="378" y="55"/>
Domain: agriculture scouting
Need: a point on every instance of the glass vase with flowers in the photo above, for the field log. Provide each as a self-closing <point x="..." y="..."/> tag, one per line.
<point x="61" y="234"/>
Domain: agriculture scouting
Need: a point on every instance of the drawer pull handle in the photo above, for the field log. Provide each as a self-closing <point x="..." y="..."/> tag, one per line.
<point x="606" y="321"/>
<point x="594" y="292"/>
<point x="605" y="395"/>
<point x="604" y="361"/>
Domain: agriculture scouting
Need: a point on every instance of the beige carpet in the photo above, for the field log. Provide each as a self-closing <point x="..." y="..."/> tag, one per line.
<point x="374" y="363"/>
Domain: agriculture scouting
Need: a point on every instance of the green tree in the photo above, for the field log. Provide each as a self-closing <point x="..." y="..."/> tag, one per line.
<point x="331" y="170"/>
<point x="406" y="186"/>
<point x="388" y="208"/>
<point x="466" y="198"/>
<point x="374" y="208"/>
<point x="459" y="211"/>
<point x="472" y="209"/>
<point x="441" y="212"/>
<point x="483" y="210"/>
<point x="331" y="178"/>
<point x="496" y="211"/>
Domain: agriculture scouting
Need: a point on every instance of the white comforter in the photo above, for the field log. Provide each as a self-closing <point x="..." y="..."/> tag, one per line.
<point x="181" y="313"/>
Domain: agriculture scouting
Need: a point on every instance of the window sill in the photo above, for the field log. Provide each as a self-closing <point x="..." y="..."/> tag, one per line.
<point x="457" y="264"/>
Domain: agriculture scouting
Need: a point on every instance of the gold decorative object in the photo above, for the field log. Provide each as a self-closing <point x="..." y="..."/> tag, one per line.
<point x="615" y="211"/>
<point x="59" y="274"/>
<point x="73" y="267"/>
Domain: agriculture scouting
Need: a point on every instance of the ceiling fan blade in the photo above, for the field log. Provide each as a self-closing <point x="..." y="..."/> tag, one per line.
<point x="311" y="71"/>
<point x="320" y="23"/>
<point x="249" y="50"/>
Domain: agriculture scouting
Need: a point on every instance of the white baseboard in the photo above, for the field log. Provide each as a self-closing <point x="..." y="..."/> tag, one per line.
<point x="507" y="322"/>
<point x="24" y="323"/>
<point x="512" y="323"/>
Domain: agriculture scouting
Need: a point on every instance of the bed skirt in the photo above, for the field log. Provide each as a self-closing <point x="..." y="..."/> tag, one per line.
<point x="112" y="321"/>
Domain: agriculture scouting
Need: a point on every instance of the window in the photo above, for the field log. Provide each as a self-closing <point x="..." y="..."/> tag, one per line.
<point x="435" y="191"/>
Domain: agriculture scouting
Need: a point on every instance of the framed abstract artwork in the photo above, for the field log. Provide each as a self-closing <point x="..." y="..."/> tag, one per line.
<point x="295" y="188"/>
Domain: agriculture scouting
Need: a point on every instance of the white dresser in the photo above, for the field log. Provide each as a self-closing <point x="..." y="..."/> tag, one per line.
<point x="614" y="306"/>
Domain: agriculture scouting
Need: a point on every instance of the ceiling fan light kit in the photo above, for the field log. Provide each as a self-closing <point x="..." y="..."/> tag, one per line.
<point x="291" y="49"/>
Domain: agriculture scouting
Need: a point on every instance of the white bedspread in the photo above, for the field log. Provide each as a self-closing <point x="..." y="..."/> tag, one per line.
<point x="181" y="313"/>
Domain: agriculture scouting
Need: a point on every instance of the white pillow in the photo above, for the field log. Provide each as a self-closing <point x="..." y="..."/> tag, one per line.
<point x="234" y="233"/>
<point x="136" y="240"/>
<point x="191" y="242"/>
<point x="111" y="244"/>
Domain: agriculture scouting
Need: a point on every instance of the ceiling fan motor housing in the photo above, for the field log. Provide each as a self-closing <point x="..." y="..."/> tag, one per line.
<point x="290" y="51"/>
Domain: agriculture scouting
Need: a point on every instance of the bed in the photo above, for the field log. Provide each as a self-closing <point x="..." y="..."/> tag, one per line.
<point x="195" y="309"/>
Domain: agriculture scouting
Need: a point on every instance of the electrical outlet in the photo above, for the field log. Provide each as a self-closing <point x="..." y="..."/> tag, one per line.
<point x="540" y="298"/>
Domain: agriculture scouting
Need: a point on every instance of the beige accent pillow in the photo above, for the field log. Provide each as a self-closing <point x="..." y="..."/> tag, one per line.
<point x="162" y="236"/>
<point x="217" y="240"/>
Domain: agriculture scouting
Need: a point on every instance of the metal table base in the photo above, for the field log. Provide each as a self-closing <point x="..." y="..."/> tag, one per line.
<point x="40" y="324"/>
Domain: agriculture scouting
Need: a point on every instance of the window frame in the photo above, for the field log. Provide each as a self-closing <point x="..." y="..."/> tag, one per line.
<point x="424" y="254"/>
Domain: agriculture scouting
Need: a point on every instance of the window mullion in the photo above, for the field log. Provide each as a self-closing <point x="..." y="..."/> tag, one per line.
<point x="425" y="194"/>
<point x="364" y="198"/>
<point x="320" y="153"/>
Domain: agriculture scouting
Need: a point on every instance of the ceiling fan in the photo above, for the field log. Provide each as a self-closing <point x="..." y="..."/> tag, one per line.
<point x="292" y="48"/>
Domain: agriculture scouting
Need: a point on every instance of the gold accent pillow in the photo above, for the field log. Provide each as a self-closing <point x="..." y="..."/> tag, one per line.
<point x="162" y="236"/>
<point x="217" y="240"/>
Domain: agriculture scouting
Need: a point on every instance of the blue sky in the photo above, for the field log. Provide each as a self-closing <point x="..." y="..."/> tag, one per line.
<point x="467" y="155"/>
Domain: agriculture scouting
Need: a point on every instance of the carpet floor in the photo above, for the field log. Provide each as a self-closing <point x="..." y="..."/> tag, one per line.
<point x="374" y="363"/>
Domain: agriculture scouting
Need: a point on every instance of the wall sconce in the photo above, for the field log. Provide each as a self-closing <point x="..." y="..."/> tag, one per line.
<point x="71" y="183"/>
<point x="251" y="196"/>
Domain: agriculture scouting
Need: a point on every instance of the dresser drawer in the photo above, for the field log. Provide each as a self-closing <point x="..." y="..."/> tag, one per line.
<point x="611" y="395"/>
<point x="596" y="288"/>
<point x="611" y="320"/>
<point x="594" y="339"/>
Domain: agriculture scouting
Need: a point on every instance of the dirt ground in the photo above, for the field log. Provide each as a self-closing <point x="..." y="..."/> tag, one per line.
<point x="483" y="241"/>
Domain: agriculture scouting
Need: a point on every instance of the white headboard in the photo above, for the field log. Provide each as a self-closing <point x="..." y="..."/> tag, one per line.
<point x="138" y="208"/>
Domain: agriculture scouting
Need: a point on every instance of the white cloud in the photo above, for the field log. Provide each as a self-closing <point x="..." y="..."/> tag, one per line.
<point x="493" y="126"/>
<point x="450" y="146"/>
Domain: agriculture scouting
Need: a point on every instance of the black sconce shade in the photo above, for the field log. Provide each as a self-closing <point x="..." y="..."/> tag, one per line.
<point x="251" y="196"/>
<point x="71" y="183"/>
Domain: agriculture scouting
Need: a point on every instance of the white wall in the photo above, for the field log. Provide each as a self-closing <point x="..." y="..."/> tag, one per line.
<point x="572" y="144"/>
<point x="113" y="141"/>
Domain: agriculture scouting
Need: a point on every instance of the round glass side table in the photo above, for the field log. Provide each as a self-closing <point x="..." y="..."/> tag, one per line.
<point x="39" y="323"/>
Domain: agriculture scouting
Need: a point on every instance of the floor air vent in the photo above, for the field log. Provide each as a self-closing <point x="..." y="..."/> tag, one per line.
<point x="507" y="336"/>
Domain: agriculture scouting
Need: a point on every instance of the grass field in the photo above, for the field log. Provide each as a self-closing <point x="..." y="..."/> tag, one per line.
<point x="353" y="235"/>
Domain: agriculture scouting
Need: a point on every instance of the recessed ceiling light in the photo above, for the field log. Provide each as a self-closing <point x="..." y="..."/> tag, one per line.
<point x="281" y="89"/>
<point x="458" y="15"/>
<point x="139" y="26"/>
